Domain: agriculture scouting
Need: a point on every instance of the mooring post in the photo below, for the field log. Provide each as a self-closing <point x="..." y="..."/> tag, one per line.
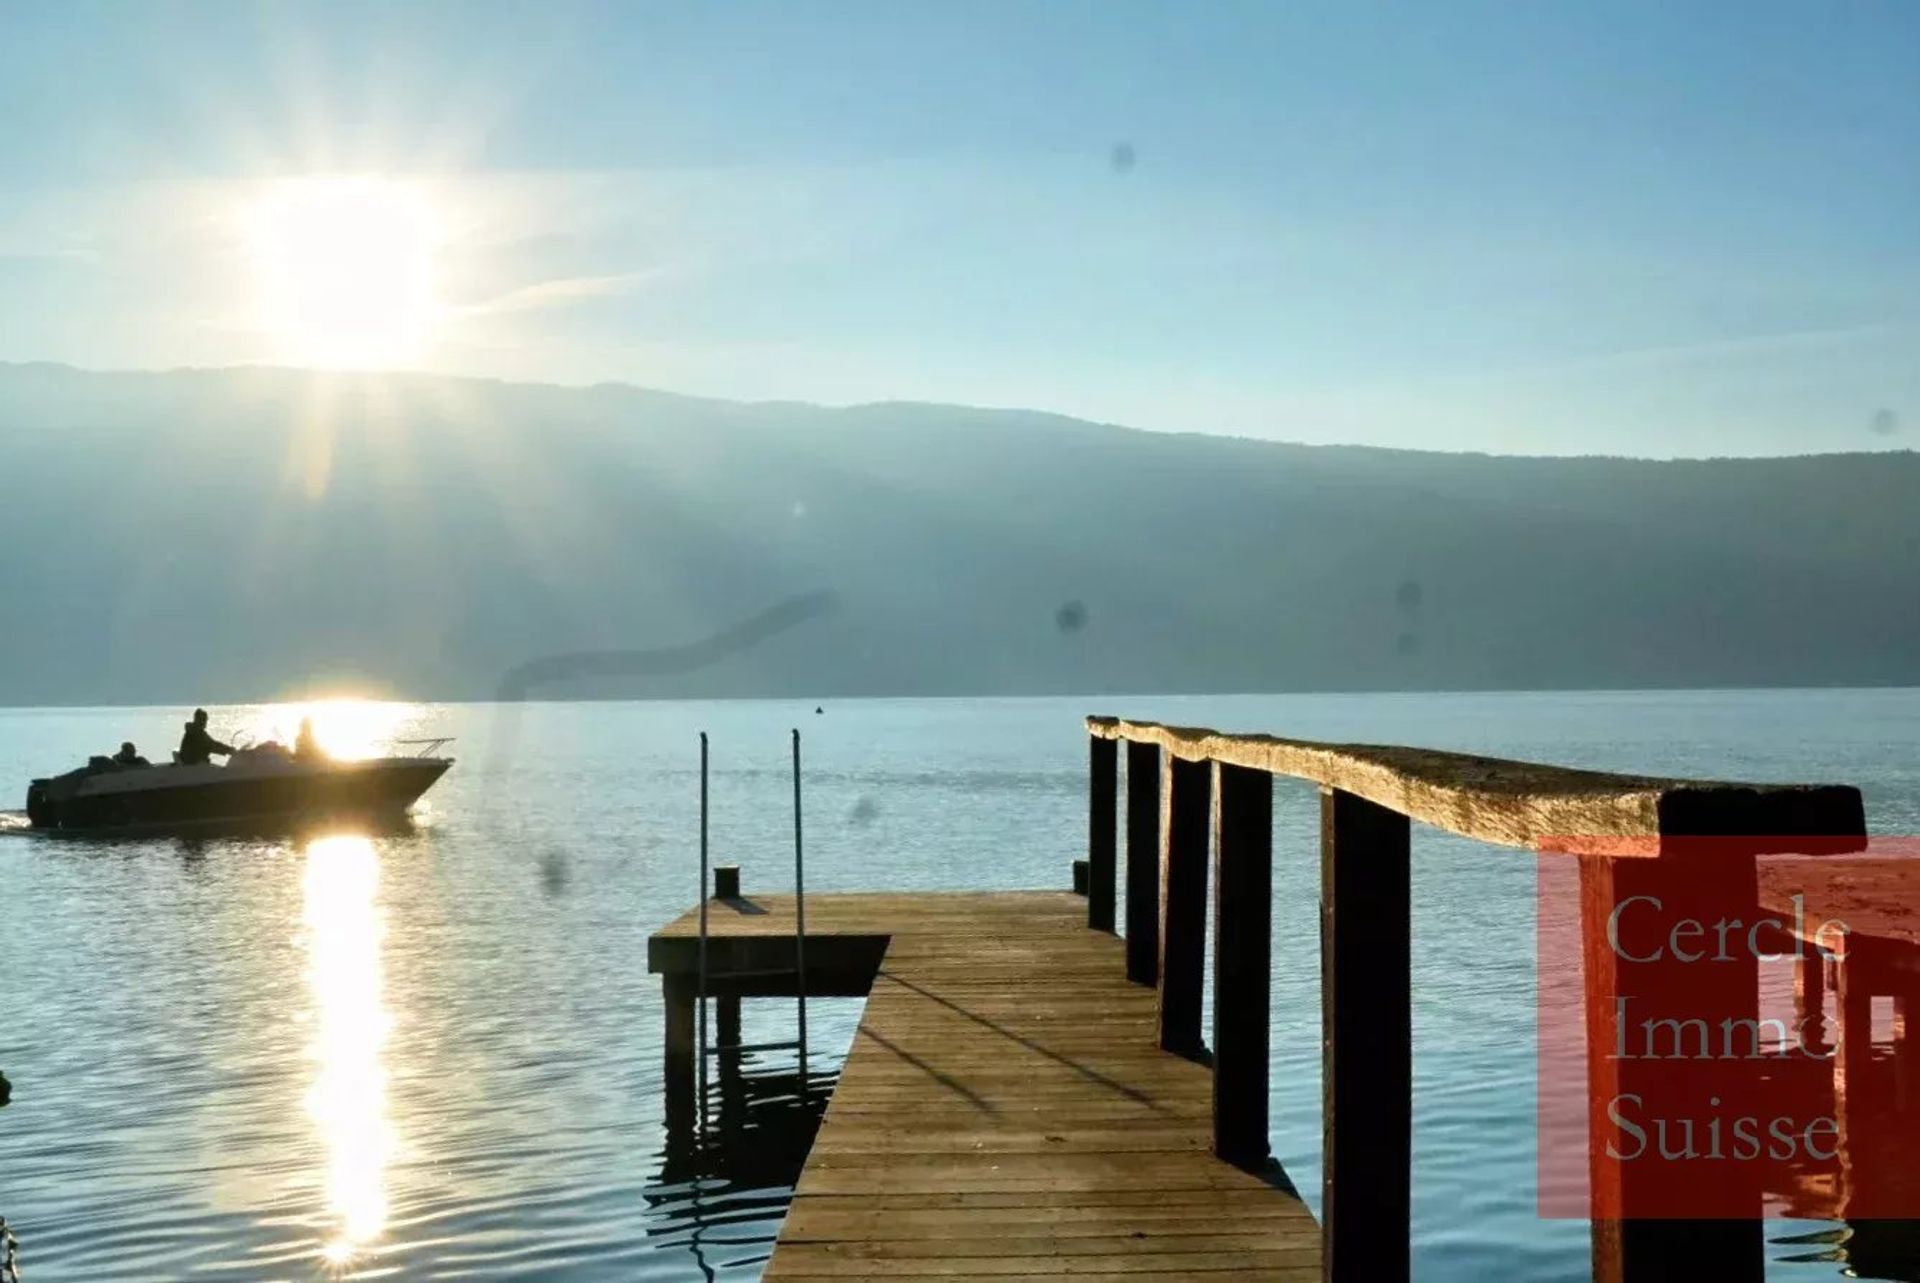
<point x="1242" y="959"/>
<point x="1810" y="998"/>
<point x="799" y="911"/>
<point x="726" y="1014"/>
<point x="1856" y="1093"/>
<point x="731" y="1111"/>
<point x="1366" y="1049"/>
<point x="1635" y="992"/>
<point x="1184" y="821"/>
<point x="1103" y="757"/>
<point x="1143" y="863"/>
<point x="679" y="993"/>
<point x="700" y="991"/>
<point x="1906" y="1042"/>
<point x="1853" y="1045"/>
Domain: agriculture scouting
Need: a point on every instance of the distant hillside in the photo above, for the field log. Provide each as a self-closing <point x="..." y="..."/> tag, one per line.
<point x="221" y="535"/>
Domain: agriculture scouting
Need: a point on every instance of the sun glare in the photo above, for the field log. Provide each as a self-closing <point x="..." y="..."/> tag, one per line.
<point x="345" y="727"/>
<point x="345" y="270"/>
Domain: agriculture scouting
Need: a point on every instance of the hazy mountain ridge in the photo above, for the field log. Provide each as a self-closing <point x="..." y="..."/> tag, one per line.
<point x="217" y="535"/>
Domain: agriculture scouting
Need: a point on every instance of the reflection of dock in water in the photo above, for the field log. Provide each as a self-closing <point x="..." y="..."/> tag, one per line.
<point x="1885" y="1250"/>
<point x="1882" y="1250"/>
<point x="1872" y="1087"/>
<point x="725" y="1181"/>
<point x="760" y="1122"/>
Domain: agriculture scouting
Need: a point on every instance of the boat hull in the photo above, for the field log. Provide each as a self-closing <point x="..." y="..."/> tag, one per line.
<point x="175" y="798"/>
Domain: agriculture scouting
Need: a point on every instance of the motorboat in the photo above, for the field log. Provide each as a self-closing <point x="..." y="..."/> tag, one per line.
<point x="266" y="785"/>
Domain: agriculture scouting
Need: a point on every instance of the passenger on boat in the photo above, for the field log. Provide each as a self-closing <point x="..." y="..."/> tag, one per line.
<point x="129" y="756"/>
<point x="197" y="747"/>
<point x="306" y="746"/>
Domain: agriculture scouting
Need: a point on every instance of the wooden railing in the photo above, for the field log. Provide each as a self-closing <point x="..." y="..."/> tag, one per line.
<point x="1199" y="803"/>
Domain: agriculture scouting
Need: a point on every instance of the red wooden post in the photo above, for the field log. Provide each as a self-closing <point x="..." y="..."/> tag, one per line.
<point x="1810" y="998"/>
<point x="1642" y="1002"/>
<point x="1906" y="1041"/>
<point x="1856" y="1091"/>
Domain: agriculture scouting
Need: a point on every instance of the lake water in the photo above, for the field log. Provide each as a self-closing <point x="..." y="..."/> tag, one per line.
<point x="436" y="1055"/>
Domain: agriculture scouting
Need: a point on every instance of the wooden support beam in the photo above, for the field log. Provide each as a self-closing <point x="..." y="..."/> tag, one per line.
<point x="731" y="1108"/>
<point x="726" y="1030"/>
<point x="1810" y="999"/>
<point x="1856" y="1095"/>
<point x="1644" y="999"/>
<point x="1906" y="1042"/>
<point x="679" y="993"/>
<point x="1143" y="863"/>
<point x="1366" y="1040"/>
<point x="1242" y="961"/>
<point x="1103" y="761"/>
<point x="1530" y="804"/>
<point x="1186" y="812"/>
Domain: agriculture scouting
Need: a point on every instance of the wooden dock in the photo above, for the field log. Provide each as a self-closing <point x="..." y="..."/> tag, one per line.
<point x="1005" y="1110"/>
<point x="1029" y="1095"/>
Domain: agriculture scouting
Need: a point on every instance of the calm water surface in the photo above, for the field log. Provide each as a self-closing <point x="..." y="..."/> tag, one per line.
<point x="436" y="1055"/>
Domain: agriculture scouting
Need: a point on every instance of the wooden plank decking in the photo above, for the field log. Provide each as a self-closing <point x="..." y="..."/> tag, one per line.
<point x="1005" y="1112"/>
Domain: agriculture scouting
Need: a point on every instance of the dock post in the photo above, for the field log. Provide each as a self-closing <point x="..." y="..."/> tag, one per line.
<point x="700" y="993"/>
<point x="799" y="912"/>
<point x="1628" y="976"/>
<point x="1903" y="1051"/>
<point x="1906" y="1038"/>
<point x="1184" y="820"/>
<point x="1856" y="1091"/>
<point x="1853" y="1045"/>
<point x="679" y="996"/>
<point x="1366" y="1045"/>
<point x="730" y="1113"/>
<point x="1103" y="759"/>
<point x="1242" y="961"/>
<point x="1143" y="863"/>
<point x="726" y="1015"/>
<point x="1810" y="999"/>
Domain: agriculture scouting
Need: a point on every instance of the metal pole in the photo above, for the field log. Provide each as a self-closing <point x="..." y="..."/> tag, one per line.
<point x="799" y="908"/>
<point x="700" y="998"/>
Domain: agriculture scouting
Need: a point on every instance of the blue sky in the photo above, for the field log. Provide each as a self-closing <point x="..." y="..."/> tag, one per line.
<point x="1658" y="229"/>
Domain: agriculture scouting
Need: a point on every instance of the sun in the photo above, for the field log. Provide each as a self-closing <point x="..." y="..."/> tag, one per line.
<point x="346" y="270"/>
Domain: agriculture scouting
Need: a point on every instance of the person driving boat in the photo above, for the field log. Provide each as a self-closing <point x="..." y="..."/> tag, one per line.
<point x="197" y="747"/>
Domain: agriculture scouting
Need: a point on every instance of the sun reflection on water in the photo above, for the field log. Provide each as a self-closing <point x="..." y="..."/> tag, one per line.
<point x="348" y="1099"/>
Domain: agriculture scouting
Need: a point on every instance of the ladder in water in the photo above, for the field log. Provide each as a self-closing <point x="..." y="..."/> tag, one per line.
<point x="799" y="971"/>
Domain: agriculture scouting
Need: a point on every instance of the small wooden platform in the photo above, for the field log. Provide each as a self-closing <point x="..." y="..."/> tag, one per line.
<point x="1005" y="1112"/>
